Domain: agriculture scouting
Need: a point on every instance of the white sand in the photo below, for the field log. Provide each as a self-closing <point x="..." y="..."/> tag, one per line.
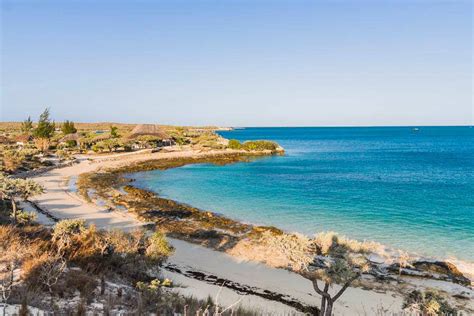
<point x="62" y="203"/>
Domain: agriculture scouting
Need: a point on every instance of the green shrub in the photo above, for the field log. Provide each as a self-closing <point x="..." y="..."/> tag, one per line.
<point x="257" y="145"/>
<point x="234" y="144"/>
<point x="23" y="217"/>
<point x="428" y="303"/>
<point x="12" y="159"/>
<point x="68" y="128"/>
<point x="158" y="246"/>
<point x="71" y="143"/>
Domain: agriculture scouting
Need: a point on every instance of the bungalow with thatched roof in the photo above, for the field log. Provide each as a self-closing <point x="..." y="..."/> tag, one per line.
<point x="149" y="136"/>
<point x="71" y="139"/>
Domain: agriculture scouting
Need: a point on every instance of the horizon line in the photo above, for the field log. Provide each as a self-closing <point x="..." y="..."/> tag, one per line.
<point x="263" y="126"/>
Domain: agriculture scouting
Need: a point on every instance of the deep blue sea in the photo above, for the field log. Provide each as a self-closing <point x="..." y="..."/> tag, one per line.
<point x="404" y="188"/>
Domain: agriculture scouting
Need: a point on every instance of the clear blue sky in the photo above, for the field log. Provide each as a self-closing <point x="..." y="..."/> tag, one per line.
<point x="242" y="63"/>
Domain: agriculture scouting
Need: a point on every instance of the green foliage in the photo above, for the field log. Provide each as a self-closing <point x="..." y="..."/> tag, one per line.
<point x="158" y="246"/>
<point x="114" y="131"/>
<point x="63" y="154"/>
<point x="108" y="144"/>
<point x="27" y="125"/>
<point x="258" y="145"/>
<point x="68" y="127"/>
<point x="71" y="143"/>
<point x="234" y="144"/>
<point x="428" y="303"/>
<point x="23" y="217"/>
<point x="16" y="187"/>
<point x="12" y="188"/>
<point x="12" y="159"/>
<point x="45" y="128"/>
<point x="180" y="140"/>
<point x="68" y="227"/>
<point x="154" y="286"/>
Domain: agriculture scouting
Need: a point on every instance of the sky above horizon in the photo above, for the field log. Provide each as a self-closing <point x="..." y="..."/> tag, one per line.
<point x="239" y="63"/>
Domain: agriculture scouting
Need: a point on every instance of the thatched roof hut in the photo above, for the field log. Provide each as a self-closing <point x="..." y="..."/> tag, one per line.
<point x="70" y="137"/>
<point x="149" y="130"/>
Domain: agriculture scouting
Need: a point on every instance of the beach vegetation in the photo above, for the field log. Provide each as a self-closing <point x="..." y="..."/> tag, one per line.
<point x="234" y="144"/>
<point x="63" y="154"/>
<point x="24" y="218"/>
<point x="27" y="125"/>
<point x="259" y="145"/>
<point x="42" y="144"/>
<point x="17" y="188"/>
<point x="324" y="240"/>
<point x="114" y="131"/>
<point x="158" y="246"/>
<point x="427" y="303"/>
<point x="68" y="128"/>
<point x="13" y="159"/>
<point x="110" y="145"/>
<point x="74" y="262"/>
<point x="45" y="128"/>
<point x="322" y="259"/>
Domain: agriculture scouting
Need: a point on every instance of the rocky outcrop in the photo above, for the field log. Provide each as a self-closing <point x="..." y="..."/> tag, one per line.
<point x="437" y="270"/>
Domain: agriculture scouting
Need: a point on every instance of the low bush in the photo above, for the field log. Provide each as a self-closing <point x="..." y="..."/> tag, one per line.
<point x="427" y="303"/>
<point x="234" y="144"/>
<point x="12" y="159"/>
<point x="158" y="248"/>
<point x="258" y="145"/>
<point x="84" y="283"/>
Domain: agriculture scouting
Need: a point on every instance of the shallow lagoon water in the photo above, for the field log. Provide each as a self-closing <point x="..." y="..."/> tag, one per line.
<point x="404" y="188"/>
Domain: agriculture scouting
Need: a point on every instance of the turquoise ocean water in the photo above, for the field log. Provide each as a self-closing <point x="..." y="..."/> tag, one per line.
<point x="404" y="188"/>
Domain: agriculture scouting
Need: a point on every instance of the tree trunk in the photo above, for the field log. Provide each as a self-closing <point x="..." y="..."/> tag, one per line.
<point x="102" y="285"/>
<point x="14" y="210"/>
<point x="324" y="298"/>
<point x="52" y="300"/>
<point x="329" y="307"/>
<point x="322" y="309"/>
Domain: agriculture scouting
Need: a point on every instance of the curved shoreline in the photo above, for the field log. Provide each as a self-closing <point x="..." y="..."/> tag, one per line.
<point x="466" y="267"/>
<point x="220" y="160"/>
<point x="102" y="163"/>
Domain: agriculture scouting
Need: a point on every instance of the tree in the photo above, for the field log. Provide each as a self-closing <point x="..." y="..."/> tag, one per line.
<point x="13" y="188"/>
<point x="322" y="258"/>
<point x="45" y="128"/>
<point x="68" y="127"/>
<point x="27" y="125"/>
<point x="114" y="131"/>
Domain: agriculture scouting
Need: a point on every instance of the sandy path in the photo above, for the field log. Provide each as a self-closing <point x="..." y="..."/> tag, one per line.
<point x="62" y="203"/>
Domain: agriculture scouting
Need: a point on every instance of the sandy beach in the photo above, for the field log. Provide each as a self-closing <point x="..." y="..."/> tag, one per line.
<point x="62" y="202"/>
